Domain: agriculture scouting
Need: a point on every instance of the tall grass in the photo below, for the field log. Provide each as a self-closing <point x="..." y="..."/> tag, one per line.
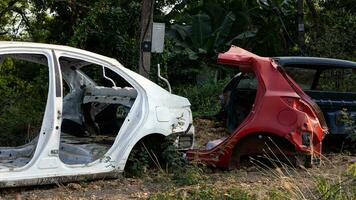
<point x="288" y="181"/>
<point x="298" y="182"/>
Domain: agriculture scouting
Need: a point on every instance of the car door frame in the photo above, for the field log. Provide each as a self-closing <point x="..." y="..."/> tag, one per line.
<point x="48" y="142"/>
<point x="114" y="157"/>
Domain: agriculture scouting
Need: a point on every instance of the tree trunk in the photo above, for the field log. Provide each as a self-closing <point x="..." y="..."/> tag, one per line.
<point x="301" y="31"/>
<point x="146" y="37"/>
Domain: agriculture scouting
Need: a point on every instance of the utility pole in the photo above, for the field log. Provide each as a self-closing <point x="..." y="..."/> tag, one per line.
<point x="301" y="30"/>
<point x="146" y="37"/>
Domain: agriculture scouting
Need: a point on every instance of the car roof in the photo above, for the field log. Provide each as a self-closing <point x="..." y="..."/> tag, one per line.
<point x="314" y="62"/>
<point x="54" y="47"/>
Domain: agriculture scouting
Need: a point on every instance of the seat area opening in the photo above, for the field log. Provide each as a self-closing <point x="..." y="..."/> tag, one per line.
<point x="237" y="100"/>
<point x="96" y="103"/>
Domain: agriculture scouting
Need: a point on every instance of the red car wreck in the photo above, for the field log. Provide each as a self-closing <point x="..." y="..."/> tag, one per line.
<point x="268" y="114"/>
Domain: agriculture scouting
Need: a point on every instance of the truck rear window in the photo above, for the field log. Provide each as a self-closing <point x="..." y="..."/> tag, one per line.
<point x="303" y="76"/>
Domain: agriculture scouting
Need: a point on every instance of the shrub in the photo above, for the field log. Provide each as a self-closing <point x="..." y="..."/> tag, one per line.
<point x="204" y="98"/>
<point x="190" y="174"/>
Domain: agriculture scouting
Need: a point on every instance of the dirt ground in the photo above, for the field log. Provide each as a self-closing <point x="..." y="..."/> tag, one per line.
<point x="207" y="130"/>
<point x="254" y="179"/>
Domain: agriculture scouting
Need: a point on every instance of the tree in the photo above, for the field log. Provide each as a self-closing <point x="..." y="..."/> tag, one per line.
<point x="207" y="27"/>
<point x="334" y="37"/>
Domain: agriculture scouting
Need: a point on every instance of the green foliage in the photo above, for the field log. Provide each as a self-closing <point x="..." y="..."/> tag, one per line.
<point x="201" y="39"/>
<point x="345" y="189"/>
<point x="13" y="18"/>
<point x="145" y="155"/>
<point x="207" y="27"/>
<point x="352" y="169"/>
<point x="190" y="174"/>
<point x="204" y="98"/>
<point x="182" y="173"/>
<point x="276" y="195"/>
<point x="342" y="80"/>
<point x="212" y="26"/>
<point x="173" y="158"/>
<point x="110" y="28"/>
<point x="334" y="35"/>
<point x="167" y="159"/>
<point x="155" y="151"/>
<point x="23" y="89"/>
<point x="138" y="162"/>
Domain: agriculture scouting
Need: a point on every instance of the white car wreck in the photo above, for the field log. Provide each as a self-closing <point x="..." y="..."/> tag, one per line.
<point x="89" y="126"/>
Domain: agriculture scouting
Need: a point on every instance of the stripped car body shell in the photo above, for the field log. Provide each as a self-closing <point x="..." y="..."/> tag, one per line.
<point x="154" y="111"/>
<point x="281" y="109"/>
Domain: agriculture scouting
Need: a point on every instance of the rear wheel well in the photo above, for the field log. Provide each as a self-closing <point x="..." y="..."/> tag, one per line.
<point x="260" y="144"/>
<point x="145" y="153"/>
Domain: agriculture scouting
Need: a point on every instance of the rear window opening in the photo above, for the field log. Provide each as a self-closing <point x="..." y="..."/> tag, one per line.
<point x="23" y="98"/>
<point x="323" y="79"/>
<point x="95" y="106"/>
<point x="303" y="76"/>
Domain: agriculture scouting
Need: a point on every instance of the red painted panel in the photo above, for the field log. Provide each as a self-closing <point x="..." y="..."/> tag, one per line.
<point x="281" y="108"/>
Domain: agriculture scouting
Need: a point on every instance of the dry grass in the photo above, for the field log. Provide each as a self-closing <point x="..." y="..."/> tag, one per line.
<point x="279" y="180"/>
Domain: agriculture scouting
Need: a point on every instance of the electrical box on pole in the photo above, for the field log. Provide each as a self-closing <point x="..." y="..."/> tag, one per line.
<point x="151" y="38"/>
<point x="158" y="32"/>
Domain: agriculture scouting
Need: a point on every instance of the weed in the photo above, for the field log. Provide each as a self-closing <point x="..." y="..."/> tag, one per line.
<point x="189" y="175"/>
<point x="138" y="162"/>
<point x="183" y="173"/>
<point x="164" y="157"/>
<point x="173" y="158"/>
<point x="342" y="189"/>
<point x="144" y="155"/>
<point x="352" y="169"/>
<point x="276" y="195"/>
